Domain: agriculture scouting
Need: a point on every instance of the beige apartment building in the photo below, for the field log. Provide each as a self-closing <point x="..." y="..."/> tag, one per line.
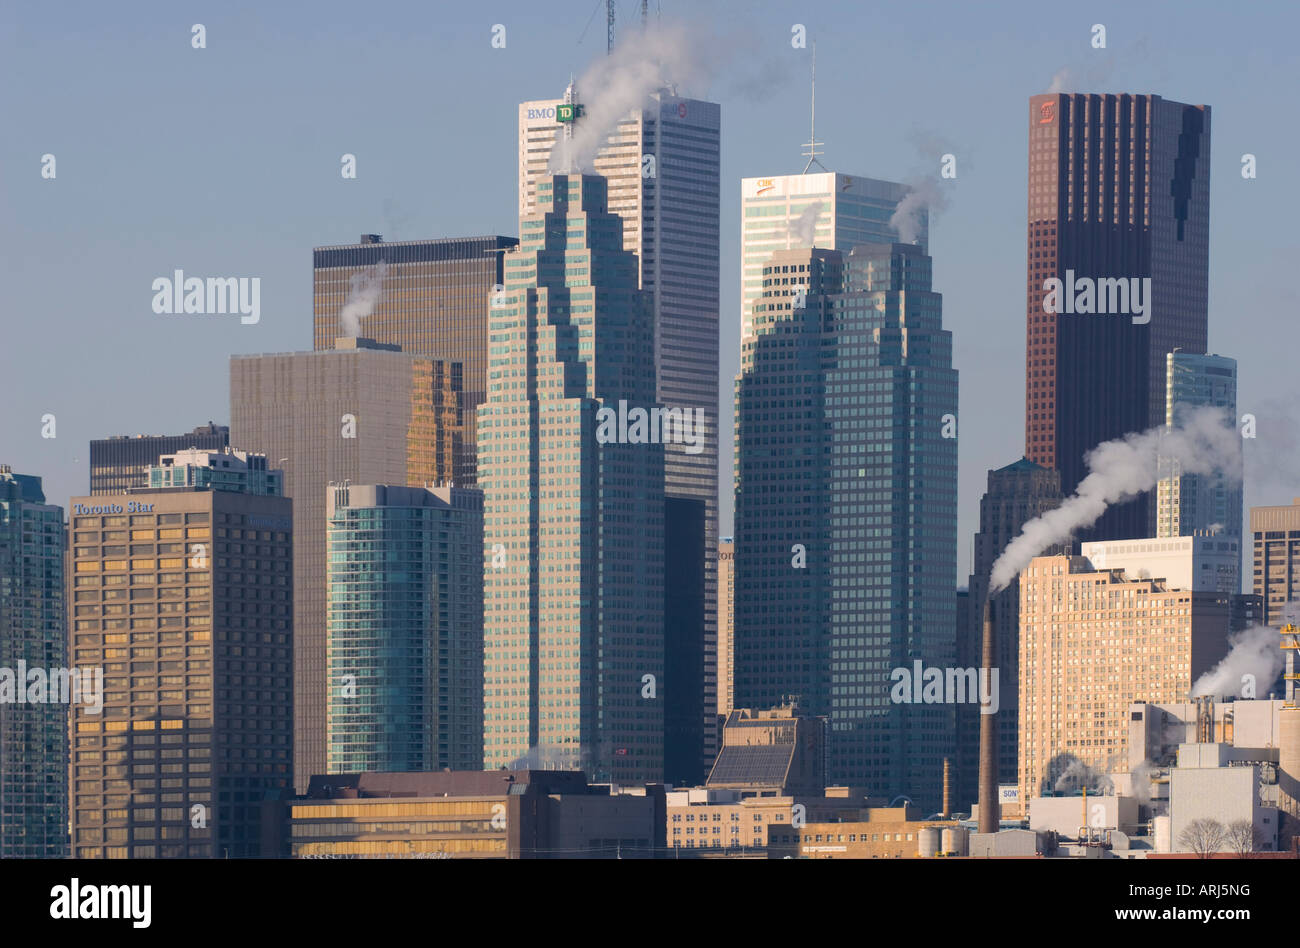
<point x="1276" y="543"/>
<point x="184" y="597"/>
<point x="1093" y="642"/>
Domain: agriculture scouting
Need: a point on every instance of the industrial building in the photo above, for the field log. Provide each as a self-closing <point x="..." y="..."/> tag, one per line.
<point x="491" y="814"/>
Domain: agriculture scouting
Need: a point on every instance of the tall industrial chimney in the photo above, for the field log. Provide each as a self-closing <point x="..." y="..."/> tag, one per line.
<point x="988" y="796"/>
<point x="947" y="809"/>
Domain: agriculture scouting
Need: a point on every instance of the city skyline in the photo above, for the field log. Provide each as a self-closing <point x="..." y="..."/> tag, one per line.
<point x="612" y="419"/>
<point x="393" y="195"/>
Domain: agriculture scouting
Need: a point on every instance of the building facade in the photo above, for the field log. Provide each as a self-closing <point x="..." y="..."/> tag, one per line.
<point x="1275" y="533"/>
<point x="726" y="626"/>
<point x="33" y="635"/>
<point x="1186" y="503"/>
<point x="184" y="599"/>
<point x="122" y="462"/>
<point x="1202" y="562"/>
<point x="495" y="814"/>
<point x="846" y="507"/>
<point x="574" y="642"/>
<point x="827" y="210"/>
<point x="405" y="616"/>
<point x="1119" y="190"/>
<point x="1093" y="642"/>
<point x="430" y="297"/>
<point x="662" y="165"/>
<point x="364" y="413"/>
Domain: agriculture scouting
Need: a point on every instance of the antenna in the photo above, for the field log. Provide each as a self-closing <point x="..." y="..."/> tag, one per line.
<point x="609" y="22"/>
<point x="812" y="152"/>
<point x="645" y="13"/>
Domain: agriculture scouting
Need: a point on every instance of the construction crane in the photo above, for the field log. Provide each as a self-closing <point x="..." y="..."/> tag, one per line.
<point x="1291" y="643"/>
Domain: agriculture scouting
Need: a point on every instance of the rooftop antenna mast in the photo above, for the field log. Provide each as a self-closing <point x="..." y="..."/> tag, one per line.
<point x="609" y="23"/>
<point x="812" y="152"/>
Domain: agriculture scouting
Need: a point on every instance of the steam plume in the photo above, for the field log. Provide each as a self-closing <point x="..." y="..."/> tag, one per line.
<point x="367" y="288"/>
<point x="804" y="229"/>
<point x="641" y="63"/>
<point x="1253" y="651"/>
<point x="1205" y="443"/>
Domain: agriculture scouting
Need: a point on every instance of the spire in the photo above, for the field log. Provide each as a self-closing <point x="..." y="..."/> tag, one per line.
<point x="812" y="152"/>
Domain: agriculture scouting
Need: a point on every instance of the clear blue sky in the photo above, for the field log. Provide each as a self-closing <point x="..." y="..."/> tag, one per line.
<point x="225" y="161"/>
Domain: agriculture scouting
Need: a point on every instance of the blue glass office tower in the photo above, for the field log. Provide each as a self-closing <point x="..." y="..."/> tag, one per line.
<point x="405" y="629"/>
<point x="846" y="496"/>
<point x="33" y="631"/>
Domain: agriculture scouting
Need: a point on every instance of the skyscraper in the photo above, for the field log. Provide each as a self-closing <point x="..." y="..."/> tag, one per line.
<point x="405" y="652"/>
<point x="662" y="164"/>
<point x="363" y="413"/>
<point x="122" y="462"/>
<point x="1186" y="503"/>
<point x="432" y="299"/>
<point x="33" y="635"/>
<point x="846" y="494"/>
<point x="828" y="210"/>
<point x="184" y="597"/>
<point x="1119" y="190"/>
<point x="1016" y="494"/>
<point x="573" y="505"/>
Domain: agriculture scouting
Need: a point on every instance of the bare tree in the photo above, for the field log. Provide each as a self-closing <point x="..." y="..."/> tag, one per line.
<point x="1241" y="837"/>
<point x="1203" y="837"/>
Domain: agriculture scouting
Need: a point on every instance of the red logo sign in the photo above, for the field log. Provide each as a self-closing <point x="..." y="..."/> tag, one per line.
<point x="1048" y="113"/>
<point x="681" y="110"/>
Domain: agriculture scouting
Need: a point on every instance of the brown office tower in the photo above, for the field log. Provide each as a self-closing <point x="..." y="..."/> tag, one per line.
<point x="121" y="462"/>
<point x="1276" y="533"/>
<point x="183" y="603"/>
<point x="1119" y="201"/>
<point x="1016" y="494"/>
<point x="431" y="297"/>
<point x="363" y="413"/>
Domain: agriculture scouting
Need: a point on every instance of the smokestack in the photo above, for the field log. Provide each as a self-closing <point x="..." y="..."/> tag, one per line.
<point x="947" y="809"/>
<point x="988" y="795"/>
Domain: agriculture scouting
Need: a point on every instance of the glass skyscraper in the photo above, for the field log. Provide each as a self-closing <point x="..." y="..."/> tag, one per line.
<point x="661" y="163"/>
<point x="846" y="495"/>
<point x="1189" y="502"/>
<point x="1119" y="189"/>
<point x="573" y="518"/>
<point x="33" y="631"/>
<point x="405" y="650"/>
<point x="823" y="209"/>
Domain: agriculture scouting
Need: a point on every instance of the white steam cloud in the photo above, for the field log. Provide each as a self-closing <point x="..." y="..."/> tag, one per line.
<point x="1079" y="775"/>
<point x="804" y="228"/>
<point x="367" y="288"/>
<point x="1205" y="443"/>
<point x="641" y="63"/>
<point x="1253" y="651"/>
<point x="924" y="195"/>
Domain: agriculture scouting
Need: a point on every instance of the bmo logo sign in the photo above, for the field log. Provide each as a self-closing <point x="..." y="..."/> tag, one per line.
<point x="541" y="113"/>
